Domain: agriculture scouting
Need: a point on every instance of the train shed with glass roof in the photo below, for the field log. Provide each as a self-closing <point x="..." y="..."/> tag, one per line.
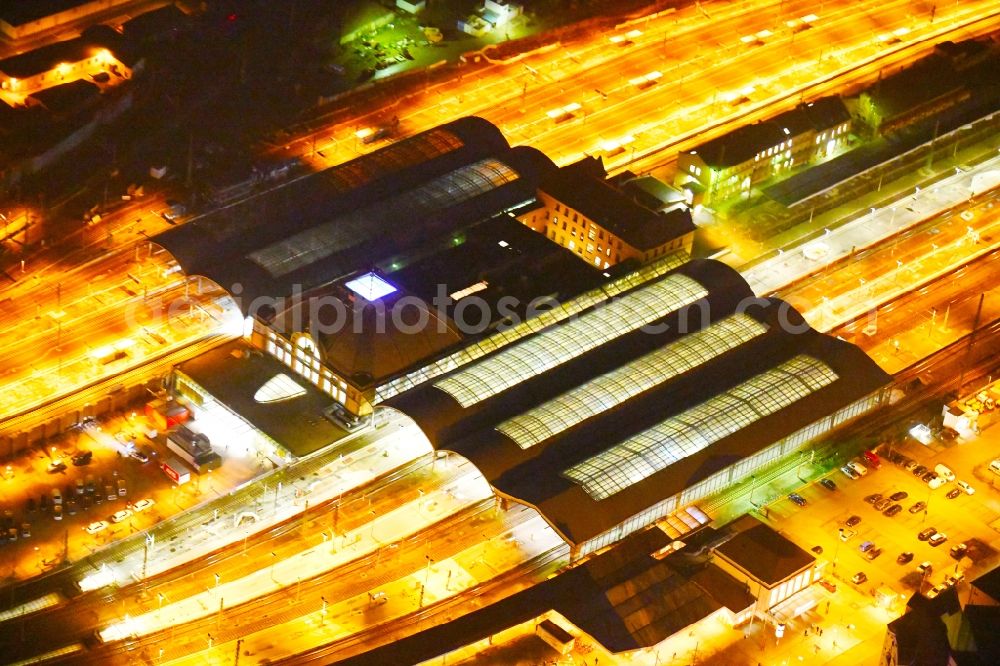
<point x="646" y="402"/>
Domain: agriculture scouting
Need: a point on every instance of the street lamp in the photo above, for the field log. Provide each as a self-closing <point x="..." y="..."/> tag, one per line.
<point x="427" y="578"/>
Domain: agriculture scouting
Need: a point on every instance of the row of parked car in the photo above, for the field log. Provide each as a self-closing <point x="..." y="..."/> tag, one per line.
<point x="934" y="478"/>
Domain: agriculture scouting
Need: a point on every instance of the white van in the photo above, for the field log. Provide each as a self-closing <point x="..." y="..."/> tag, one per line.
<point x="858" y="468"/>
<point x="944" y="472"/>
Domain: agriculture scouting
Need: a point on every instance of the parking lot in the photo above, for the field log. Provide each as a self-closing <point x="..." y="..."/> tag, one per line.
<point x="94" y="490"/>
<point x="973" y="519"/>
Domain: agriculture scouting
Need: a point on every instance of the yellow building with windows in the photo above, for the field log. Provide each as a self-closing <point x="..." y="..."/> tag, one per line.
<point x="580" y="210"/>
<point x="732" y="164"/>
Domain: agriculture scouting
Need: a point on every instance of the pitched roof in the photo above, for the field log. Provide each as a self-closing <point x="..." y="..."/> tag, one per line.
<point x="585" y="190"/>
<point x="743" y="143"/>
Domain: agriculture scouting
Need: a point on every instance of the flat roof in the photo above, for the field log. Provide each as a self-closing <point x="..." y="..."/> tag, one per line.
<point x="68" y="97"/>
<point x="764" y="553"/>
<point x="43" y="59"/>
<point x="647" y="369"/>
<point x="234" y="373"/>
<point x="21" y="11"/>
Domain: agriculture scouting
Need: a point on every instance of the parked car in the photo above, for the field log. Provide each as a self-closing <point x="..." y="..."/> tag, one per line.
<point x="866" y="546"/>
<point x="934" y="591"/>
<point x="110" y="492"/>
<point x="936" y="483"/>
<point x="929" y="476"/>
<point x="919" y="470"/>
<point x="83" y="458"/>
<point x="918" y="507"/>
<point x="120" y="516"/>
<point x="926" y="533"/>
<point x="966" y="488"/>
<point x="896" y="497"/>
<point x="858" y="468"/>
<point x="945" y="472"/>
<point x="828" y="484"/>
<point x="954" y="579"/>
<point x="851" y="474"/>
<point x="71" y="506"/>
<point x="853" y="520"/>
<point x="830" y="587"/>
<point x="96" y="527"/>
<point x="79" y="486"/>
<point x="142" y="505"/>
<point x="882" y="503"/>
<point x="893" y="510"/>
<point x="30" y="506"/>
<point x="56" y="466"/>
<point x="958" y="551"/>
<point x="817" y="549"/>
<point x="872" y="553"/>
<point x="845" y="535"/>
<point x="122" y="490"/>
<point x="25" y="530"/>
<point x="953" y="493"/>
<point x="911" y="465"/>
<point x="798" y="499"/>
<point x="937" y="539"/>
<point x="871" y="499"/>
<point x="57" y="512"/>
<point x="872" y="459"/>
<point x="925" y="567"/>
<point x="44" y="503"/>
<point x="904" y="558"/>
<point x="139" y="455"/>
<point x="859" y="578"/>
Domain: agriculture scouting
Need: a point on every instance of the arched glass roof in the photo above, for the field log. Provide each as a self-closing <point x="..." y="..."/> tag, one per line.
<point x="522" y="329"/>
<point x="615" y="387"/>
<point x="684" y="434"/>
<point x="317" y="243"/>
<point x="394" y="158"/>
<point x="557" y="345"/>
